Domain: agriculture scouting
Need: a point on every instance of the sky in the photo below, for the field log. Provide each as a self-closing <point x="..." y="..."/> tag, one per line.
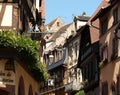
<point x="67" y="9"/>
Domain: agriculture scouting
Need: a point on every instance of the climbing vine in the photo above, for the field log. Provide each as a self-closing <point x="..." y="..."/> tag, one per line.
<point x="28" y="51"/>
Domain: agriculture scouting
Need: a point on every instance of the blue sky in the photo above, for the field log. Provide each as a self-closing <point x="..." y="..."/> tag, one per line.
<point x="67" y="9"/>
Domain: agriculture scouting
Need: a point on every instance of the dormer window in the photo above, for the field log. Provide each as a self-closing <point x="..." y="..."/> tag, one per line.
<point x="58" y="24"/>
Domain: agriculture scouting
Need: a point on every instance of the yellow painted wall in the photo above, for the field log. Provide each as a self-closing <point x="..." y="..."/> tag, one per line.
<point x="19" y="71"/>
<point x="28" y="80"/>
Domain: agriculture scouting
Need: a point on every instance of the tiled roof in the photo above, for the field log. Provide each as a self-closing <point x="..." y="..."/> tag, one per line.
<point x="94" y="31"/>
<point x="52" y="22"/>
<point x="61" y="30"/>
<point x="102" y="11"/>
<point x="102" y="4"/>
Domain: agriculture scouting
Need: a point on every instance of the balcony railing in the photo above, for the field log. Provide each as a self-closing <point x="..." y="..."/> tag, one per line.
<point x="48" y="89"/>
<point x="73" y="86"/>
<point x="58" y="63"/>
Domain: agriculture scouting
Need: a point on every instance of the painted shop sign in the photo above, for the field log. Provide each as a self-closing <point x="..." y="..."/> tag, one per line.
<point x="7" y="77"/>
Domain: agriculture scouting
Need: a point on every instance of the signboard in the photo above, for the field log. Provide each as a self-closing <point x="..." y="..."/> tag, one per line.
<point x="50" y="82"/>
<point x="6" y="76"/>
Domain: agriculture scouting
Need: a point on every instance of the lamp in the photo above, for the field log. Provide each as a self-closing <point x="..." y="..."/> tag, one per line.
<point x="115" y="32"/>
<point x="50" y="54"/>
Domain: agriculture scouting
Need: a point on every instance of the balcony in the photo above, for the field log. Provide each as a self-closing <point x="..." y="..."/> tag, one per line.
<point x="48" y="89"/>
<point x="73" y="86"/>
<point x="58" y="63"/>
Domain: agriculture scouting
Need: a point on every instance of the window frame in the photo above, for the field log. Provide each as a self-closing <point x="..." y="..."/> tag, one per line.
<point x="104" y="52"/>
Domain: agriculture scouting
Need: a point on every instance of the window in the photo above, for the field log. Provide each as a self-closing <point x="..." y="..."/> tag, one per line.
<point x="9" y="65"/>
<point x="115" y="16"/>
<point x="60" y="54"/>
<point x="51" y="58"/>
<point x="83" y="74"/>
<point x="92" y="70"/>
<point x="115" y="45"/>
<point x="58" y="24"/>
<point x="118" y="85"/>
<point x="50" y="61"/>
<point x="76" y="48"/>
<point x="105" y="88"/>
<point x="89" y="69"/>
<point x="30" y="90"/>
<point x="113" y="90"/>
<point x="70" y="52"/>
<point x="104" y="53"/>
<point x="104" y="26"/>
<point x="56" y="56"/>
<point x="40" y="2"/>
<point x="59" y="76"/>
<point x="96" y="69"/>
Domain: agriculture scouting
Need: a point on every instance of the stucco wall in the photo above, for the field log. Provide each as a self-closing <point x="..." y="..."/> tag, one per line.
<point x="15" y="76"/>
<point x="109" y="74"/>
<point x="28" y="80"/>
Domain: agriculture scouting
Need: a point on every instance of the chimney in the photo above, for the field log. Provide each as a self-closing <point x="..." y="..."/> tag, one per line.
<point x="83" y="14"/>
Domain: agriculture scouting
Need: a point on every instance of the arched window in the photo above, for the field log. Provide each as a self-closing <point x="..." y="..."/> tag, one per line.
<point x="21" y="87"/>
<point x="30" y="90"/>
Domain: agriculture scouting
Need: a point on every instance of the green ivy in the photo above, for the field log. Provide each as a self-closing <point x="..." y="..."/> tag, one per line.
<point x="28" y="50"/>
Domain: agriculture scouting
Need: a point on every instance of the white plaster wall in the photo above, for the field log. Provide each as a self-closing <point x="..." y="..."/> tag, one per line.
<point x="37" y="4"/>
<point x="7" y="17"/>
<point x="80" y="23"/>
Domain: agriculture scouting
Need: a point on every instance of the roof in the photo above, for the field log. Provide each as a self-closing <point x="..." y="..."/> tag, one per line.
<point x="82" y="18"/>
<point x="61" y="30"/>
<point x="102" y="4"/>
<point x="101" y="11"/>
<point x="51" y="23"/>
<point x="56" y="35"/>
<point x="72" y="37"/>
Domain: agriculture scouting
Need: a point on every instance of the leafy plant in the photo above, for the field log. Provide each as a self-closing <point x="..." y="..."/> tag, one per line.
<point x="28" y="50"/>
<point x="81" y="92"/>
